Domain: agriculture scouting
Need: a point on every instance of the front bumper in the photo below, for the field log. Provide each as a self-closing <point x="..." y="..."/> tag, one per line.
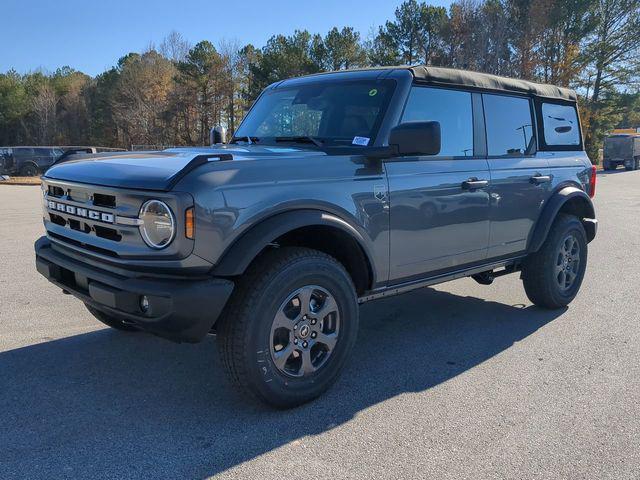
<point x="181" y="309"/>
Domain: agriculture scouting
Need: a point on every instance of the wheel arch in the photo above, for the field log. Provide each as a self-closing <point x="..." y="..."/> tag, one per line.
<point x="316" y="229"/>
<point x="570" y="200"/>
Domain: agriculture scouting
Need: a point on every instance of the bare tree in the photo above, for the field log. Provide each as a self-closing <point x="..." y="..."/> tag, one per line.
<point x="174" y="47"/>
<point x="44" y="109"/>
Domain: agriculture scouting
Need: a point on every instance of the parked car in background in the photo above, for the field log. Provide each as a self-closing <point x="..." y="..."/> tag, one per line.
<point x="31" y="161"/>
<point x="28" y="161"/>
<point x="622" y="149"/>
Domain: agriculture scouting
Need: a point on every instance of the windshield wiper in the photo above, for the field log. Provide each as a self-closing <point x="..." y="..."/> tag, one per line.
<point x="301" y="139"/>
<point x="247" y="139"/>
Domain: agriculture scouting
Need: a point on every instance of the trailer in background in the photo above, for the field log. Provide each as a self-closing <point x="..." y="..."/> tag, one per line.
<point x="622" y="149"/>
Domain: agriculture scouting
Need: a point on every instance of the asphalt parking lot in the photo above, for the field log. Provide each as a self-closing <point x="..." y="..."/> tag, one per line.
<point x="457" y="381"/>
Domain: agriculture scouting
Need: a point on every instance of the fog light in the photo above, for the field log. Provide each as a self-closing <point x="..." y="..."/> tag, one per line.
<point x="144" y="304"/>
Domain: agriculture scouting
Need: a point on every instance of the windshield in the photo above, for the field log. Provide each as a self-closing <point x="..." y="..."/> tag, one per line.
<point x="327" y="113"/>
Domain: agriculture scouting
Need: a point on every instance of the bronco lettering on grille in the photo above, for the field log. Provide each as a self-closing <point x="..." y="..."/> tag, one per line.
<point x="81" y="212"/>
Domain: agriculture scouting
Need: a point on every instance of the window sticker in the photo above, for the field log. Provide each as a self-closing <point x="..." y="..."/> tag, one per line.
<point x="362" y="141"/>
<point x="373" y="92"/>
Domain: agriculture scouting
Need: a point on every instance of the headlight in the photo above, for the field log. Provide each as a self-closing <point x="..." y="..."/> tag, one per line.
<point x="158" y="224"/>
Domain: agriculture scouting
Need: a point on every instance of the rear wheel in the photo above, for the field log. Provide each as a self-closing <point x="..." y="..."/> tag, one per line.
<point x="290" y="326"/>
<point x="112" y="322"/>
<point x="552" y="276"/>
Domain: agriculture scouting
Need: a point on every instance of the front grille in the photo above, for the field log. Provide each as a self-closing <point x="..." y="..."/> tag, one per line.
<point x="55" y="191"/>
<point x="104" y="220"/>
<point x="88" y="246"/>
<point x="101" y="200"/>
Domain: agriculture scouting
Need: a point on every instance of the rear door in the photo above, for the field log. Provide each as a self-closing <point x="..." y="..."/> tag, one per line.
<point x="439" y="217"/>
<point x="520" y="178"/>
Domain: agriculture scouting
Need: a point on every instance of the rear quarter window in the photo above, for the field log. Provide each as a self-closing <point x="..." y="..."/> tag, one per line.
<point x="560" y="125"/>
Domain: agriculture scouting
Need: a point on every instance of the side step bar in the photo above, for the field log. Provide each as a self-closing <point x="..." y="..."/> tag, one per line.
<point x="484" y="272"/>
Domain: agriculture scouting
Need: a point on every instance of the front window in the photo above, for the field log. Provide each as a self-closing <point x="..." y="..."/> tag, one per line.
<point x="329" y="113"/>
<point x="452" y="109"/>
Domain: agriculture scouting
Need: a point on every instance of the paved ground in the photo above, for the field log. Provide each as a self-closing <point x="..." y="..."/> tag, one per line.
<point x="459" y="381"/>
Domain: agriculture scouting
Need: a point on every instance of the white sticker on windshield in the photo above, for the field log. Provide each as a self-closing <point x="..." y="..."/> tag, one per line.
<point x="363" y="141"/>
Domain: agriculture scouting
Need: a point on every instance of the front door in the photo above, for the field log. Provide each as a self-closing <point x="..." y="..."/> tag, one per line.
<point x="439" y="217"/>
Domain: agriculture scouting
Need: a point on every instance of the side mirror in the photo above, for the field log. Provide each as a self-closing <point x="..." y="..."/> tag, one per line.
<point x="217" y="135"/>
<point x="416" y="138"/>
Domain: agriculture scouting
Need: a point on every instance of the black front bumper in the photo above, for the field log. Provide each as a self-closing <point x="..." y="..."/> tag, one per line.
<point x="180" y="309"/>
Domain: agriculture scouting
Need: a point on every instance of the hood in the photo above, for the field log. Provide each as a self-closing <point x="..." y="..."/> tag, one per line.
<point x="158" y="170"/>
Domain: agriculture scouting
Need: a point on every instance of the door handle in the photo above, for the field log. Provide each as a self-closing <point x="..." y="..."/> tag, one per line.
<point x="540" y="179"/>
<point x="474" y="184"/>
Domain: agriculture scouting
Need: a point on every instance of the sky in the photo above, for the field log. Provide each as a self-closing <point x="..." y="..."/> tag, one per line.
<point x="91" y="35"/>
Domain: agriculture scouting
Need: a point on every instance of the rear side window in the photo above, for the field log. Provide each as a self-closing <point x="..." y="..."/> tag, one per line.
<point x="449" y="107"/>
<point x="560" y="125"/>
<point x="509" y="125"/>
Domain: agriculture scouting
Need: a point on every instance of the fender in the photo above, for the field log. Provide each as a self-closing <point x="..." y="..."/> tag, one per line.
<point x="236" y="259"/>
<point x="558" y="200"/>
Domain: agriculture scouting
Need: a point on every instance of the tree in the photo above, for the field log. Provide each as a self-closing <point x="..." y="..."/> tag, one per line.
<point x="343" y="49"/>
<point x="612" y="51"/>
<point x="174" y="47"/>
<point x="205" y="73"/>
<point x="14" y="108"/>
<point x="283" y="57"/>
<point x="140" y="98"/>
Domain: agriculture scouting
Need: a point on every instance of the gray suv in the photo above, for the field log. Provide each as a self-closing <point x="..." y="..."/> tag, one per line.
<point x="337" y="189"/>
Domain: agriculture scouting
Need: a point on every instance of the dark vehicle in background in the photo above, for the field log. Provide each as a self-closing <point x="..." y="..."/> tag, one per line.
<point x="337" y="189"/>
<point x="32" y="161"/>
<point x="622" y="149"/>
<point x="28" y="161"/>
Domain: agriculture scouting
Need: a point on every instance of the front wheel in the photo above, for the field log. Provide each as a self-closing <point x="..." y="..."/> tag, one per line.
<point x="290" y="326"/>
<point x="552" y="276"/>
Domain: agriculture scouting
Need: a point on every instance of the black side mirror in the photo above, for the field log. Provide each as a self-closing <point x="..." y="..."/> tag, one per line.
<point x="217" y="135"/>
<point x="416" y="138"/>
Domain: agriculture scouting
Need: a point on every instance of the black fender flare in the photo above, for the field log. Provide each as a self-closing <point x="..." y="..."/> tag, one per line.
<point x="558" y="200"/>
<point x="235" y="259"/>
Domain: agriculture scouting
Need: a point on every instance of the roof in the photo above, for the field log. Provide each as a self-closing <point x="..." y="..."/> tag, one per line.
<point x="459" y="78"/>
<point x="485" y="81"/>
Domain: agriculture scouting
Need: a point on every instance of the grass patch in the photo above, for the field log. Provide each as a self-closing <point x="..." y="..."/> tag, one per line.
<point x="21" y="181"/>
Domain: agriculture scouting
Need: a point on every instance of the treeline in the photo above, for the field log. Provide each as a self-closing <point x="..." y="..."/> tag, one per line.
<point x="173" y="93"/>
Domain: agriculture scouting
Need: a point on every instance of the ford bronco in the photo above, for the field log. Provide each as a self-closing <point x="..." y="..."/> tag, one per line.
<point x="336" y="189"/>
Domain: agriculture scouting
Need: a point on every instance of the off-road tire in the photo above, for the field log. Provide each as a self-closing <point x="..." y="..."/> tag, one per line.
<point x="244" y="329"/>
<point x="111" y="321"/>
<point x="539" y="269"/>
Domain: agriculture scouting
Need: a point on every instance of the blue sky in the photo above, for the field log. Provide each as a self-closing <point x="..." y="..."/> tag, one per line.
<point x="90" y="35"/>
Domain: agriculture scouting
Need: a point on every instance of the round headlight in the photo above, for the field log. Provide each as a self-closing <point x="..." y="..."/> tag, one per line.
<point x="158" y="225"/>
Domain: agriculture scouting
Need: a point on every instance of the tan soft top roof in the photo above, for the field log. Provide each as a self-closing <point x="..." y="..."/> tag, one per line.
<point x="460" y="78"/>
